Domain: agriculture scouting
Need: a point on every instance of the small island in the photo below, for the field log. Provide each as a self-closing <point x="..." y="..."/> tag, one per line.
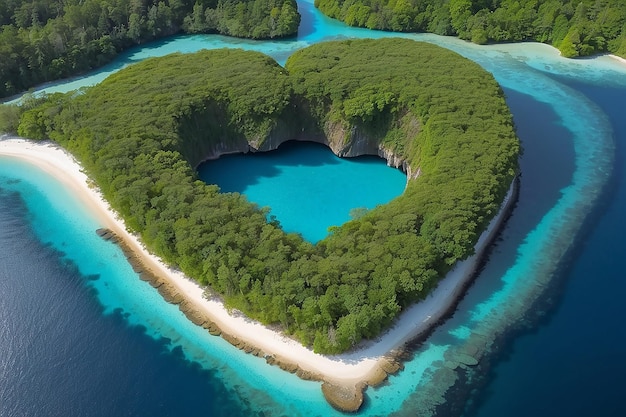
<point x="440" y="117"/>
<point x="576" y="28"/>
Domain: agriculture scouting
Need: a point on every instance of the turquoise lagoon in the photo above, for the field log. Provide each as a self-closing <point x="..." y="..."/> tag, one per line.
<point x="306" y="186"/>
<point x="572" y="144"/>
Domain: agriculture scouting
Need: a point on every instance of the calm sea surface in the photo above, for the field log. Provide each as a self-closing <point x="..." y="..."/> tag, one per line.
<point x="570" y="362"/>
<point x="81" y="335"/>
<point x="61" y="355"/>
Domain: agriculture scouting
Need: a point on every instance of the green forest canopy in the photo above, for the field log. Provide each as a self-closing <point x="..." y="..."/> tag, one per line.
<point x="141" y="132"/>
<point x="44" y="40"/>
<point x="575" y="27"/>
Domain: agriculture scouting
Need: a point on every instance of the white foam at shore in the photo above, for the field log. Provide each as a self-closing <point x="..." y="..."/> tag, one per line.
<point x="354" y="366"/>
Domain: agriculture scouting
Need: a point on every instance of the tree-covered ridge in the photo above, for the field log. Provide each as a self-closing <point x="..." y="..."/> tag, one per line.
<point x="575" y="27"/>
<point x="43" y="40"/>
<point x="257" y="19"/>
<point x="140" y="132"/>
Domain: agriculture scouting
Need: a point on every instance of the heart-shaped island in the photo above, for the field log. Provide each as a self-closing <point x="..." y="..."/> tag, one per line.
<point x="440" y="117"/>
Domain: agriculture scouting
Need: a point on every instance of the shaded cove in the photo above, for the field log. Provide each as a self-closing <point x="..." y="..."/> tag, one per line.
<point x="307" y="187"/>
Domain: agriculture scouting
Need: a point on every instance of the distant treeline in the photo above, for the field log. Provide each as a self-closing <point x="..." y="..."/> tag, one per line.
<point x="43" y="40"/>
<point x="141" y="132"/>
<point x="575" y="27"/>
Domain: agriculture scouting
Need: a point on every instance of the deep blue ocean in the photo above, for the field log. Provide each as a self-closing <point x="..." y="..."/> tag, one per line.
<point x="61" y="356"/>
<point x="569" y="360"/>
<point x="81" y="336"/>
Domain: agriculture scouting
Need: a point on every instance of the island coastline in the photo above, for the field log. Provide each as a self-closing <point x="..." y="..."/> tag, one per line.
<point x="618" y="59"/>
<point x="345" y="376"/>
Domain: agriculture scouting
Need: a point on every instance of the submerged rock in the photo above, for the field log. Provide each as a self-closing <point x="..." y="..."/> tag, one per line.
<point x="342" y="397"/>
<point x="104" y="233"/>
<point x="170" y="294"/>
<point x="307" y="375"/>
<point x="390" y="366"/>
<point x="377" y="377"/>
<point x="466" y="359"/>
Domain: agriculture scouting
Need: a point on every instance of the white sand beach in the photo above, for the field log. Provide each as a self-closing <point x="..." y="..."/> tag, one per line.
<point x="619" y="59"/>
<point x="341" y="369"/>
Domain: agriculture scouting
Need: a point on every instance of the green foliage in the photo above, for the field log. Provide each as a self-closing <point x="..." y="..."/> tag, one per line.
<point x="43" y="40"/>
<point x="9" y="118"/>
<point x="141" y="131"/>
<point x="257" y="19"/>
<point x="577" y="28"/>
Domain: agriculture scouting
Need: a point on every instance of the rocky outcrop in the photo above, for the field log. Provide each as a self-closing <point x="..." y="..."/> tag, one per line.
<point x="344" y="398"/>
<point x="168" y="291"/>
<point x="349" y="141"/>
<point x="390" y="365"/>
<point x="205" y="142"/>
<point x="377" y="377"/>
<point x="396" y="161"/>
<point x="223" y="148"/>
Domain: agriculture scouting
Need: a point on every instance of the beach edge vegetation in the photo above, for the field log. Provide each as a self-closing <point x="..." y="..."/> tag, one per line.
<point x="141" y="132"/>
<point x="576" y="28"/>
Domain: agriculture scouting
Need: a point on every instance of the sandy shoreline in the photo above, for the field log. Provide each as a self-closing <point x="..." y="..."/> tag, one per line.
<point x="618" y="58"/>
<point x="350" y="369"/>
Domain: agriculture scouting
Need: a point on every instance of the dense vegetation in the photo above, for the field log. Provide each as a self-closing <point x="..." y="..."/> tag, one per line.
<point x="575" y="27"/>
<point x="141" y="131"/>
<point x="43" y="40"/>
